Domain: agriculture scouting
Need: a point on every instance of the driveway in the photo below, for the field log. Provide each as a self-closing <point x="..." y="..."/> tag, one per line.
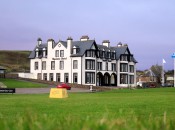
<point x="45" y="90"/>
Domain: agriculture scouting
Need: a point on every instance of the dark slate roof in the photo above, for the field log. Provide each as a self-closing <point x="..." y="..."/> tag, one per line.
<point x="40" y="47"/>
<point x="120" y="50"/>
<point x="83" y="45"/>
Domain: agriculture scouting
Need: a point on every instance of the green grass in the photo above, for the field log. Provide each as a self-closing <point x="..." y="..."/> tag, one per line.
<point x="13" y="83"/>
<point x="140" y="109"/>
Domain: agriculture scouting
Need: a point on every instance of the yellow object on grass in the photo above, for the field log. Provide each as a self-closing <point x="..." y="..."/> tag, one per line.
<point x="58" y="93"/>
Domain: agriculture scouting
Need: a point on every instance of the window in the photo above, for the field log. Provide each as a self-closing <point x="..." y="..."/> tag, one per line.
<point x="44" y="53"/>
<point x="113" y="66"/>
<point x="75" y="64"/>
<point x="51" y="76"/>
<point x="124" y="58"/>
<point x="113" y="55"/>
<point x="75" y="77"/>
<point x="74" y="51"/>
<point x="45" y="76"/>
<point x="109" y="55"/>
<point x="44" y="65"/>
<point x="61" y="65"/>
<point x="66" y="77"/>
<point x="36" y="53"/>
<point x="123" y="67"/>
<point x="107" y="66"/>
<point x="123" y="79"/>
<point x="90" y="64"/>
<point x="131" y="79"/>
<point x="52" y="65"/>
<point x="131" y="68"/>
<point x="61" y="53"/>
<point x="57" y="53"/>
<point x="99" y="65"/>
<point x="90" y="77"/>
<point x="36" y="65"/>
<point x="103" y="54"/>
<point x="58" y="77"/>
<point x="90" y="53"/>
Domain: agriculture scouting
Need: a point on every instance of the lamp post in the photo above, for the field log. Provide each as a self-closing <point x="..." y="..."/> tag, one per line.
<point x="173" y="56"/>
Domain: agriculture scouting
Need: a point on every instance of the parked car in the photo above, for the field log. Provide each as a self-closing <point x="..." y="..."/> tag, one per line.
<point x="64" y="85"/>
<point x="142" y="84"/>
<point x="152" y="85"/>
<point x="168" y="85"/>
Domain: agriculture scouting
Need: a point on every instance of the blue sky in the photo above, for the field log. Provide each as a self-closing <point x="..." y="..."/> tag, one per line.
<point x="147" y="26"/>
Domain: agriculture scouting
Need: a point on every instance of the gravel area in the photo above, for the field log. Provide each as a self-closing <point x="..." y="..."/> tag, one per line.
<point x="45" y="90"/>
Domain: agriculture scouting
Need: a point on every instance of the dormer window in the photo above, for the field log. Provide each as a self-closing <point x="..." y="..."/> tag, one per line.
<point x="36" y="53"/>
<point x="90" y="53"/>
<point x="103" y="53"/>
<point x="44" y="52"/>
<point x="124" y="58"/>
<point x="108" y="54"/>
<point x="113" y="55"/>
<point x="76" y="49"/>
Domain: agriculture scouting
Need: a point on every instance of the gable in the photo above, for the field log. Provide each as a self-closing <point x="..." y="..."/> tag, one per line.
<point x="93" y="47"/>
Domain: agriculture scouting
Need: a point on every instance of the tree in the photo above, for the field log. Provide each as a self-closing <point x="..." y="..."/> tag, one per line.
<point x="157" y="70"/>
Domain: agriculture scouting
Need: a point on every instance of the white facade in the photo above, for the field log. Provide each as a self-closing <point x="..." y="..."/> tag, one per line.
<point x="83" y="62"/>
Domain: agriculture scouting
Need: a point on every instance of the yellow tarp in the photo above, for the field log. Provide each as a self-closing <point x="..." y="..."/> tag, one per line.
<point x="58" y="93"/>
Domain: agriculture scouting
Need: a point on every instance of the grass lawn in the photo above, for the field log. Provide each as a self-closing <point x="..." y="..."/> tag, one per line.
<point x="13" y="83"/>
<point x="139" y="109"/>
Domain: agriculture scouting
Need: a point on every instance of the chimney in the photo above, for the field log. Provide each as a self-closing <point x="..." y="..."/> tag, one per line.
<point x="39" y="41"/>
<point x="69" y="44"/>
<point x="125" y="45"/>
<point x="106" y="43"/>
<point x="119" y="44"/>
<point x="84" y="38"/>
<point x="51" y="41"/>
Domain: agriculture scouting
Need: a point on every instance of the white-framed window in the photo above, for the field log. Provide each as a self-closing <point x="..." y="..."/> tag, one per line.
<point x="36" y="53"/>
<point x="90" y="64"/>
<point x="99" y="65"/>
<point x="131" y="79"/>
<point x="43" y="65"/>
<point x="90" y="77"/>
<point x="58" y="77"/>
<point x="61" y="53"/>
<point x="36" y="66"/>
<point x="75" y="64"/>
<point x="51" y="76"/>
<point x="61" y="65"/>
<point x="107" y="66"/>
<point x="123" y="79"/>
<point x="45" y="76"/>
<point x="56" y="53"/>
<point x="66" y="77"/>
<point x="75" y="77"/>
<point x="131" y="68"/>
<point x="113" y="66"/>
<point x="123" y="67"/>
<point x="52" y="65"/>
<point x="90" y="53"/>
<point x="124" y="58"/>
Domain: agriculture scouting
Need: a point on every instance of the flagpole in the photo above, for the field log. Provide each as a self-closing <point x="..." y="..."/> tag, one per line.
<point x="173" y="56"/>
<point x="163" y="79"/>
<point x="174" y="72"/>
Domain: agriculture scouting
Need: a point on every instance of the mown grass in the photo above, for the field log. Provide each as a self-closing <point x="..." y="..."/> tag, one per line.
<point x="13" y="83"/>
<point x="139" y="109"/>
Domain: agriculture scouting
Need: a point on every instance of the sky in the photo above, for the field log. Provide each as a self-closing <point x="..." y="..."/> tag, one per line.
<point x="147" y="26"/>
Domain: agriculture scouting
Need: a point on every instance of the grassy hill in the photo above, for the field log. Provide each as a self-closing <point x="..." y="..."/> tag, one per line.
<point x="15" y="61"/>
